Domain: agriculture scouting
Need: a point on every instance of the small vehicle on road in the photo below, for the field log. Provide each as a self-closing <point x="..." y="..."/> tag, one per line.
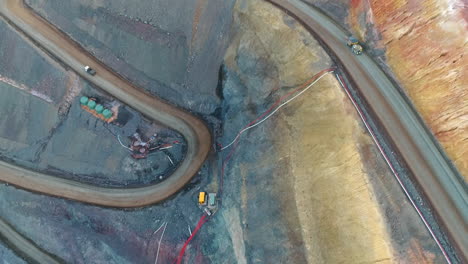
<point x="353" y="43"/>
<point x="89" y="70"/>
<point x="202" y="198"/>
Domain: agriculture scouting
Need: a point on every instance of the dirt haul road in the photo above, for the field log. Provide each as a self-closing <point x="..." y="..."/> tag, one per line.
<point x="24" y="247"/>
<point x="441" y="183"/>
<point x="70" y="53"/>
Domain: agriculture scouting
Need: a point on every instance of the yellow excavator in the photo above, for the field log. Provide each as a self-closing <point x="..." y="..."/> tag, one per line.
<point x="353" y="43"/>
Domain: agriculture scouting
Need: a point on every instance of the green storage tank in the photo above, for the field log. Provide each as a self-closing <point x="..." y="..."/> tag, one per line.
<point x="91" y="104"/>
<point x="84" y="100"/>
<point x="99" y="108"/>
<point x="107" y="113"/>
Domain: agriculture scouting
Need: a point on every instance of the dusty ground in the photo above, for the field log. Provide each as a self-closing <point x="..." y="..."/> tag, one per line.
<point x="7" y="256"/>
<point x="65" y="139"/>
<point x="75" y="232"/>
<point x="434" y="75"/>
<point x="172" y="48"/>
<point x="78" y="233"/>
<point x="335" y="201"/>
<point x="422" y="44"/>
<point x="306" y="186"/>
<point x="318" y="164"/>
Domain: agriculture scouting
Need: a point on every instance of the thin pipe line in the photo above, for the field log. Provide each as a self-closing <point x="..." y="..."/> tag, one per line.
<point x="395" y="173"/>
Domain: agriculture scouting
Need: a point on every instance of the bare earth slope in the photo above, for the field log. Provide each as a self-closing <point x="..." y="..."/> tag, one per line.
<point x="440" y="182"/>
<point x="426" y="47"/>
<point x="173" y="49"/>
<point x="305" y="159"/>
<point x="310" y="178"/>
<point x="423" y="45"/>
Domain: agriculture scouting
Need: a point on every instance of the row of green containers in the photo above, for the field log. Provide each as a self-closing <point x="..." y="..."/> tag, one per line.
<point x="91" y="104"/>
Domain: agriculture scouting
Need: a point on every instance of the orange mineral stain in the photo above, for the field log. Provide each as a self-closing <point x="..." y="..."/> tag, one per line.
<point x="425" y="45"/>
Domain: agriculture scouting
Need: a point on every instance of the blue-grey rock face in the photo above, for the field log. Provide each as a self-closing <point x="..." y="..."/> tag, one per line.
<point x="171" y="48"/>
<point x="44" y="128"/>
<point x="7" y="256"/>
<point x="175" y="54"/>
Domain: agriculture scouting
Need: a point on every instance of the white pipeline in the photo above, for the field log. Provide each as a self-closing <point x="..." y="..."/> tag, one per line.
<point x="159" y="244"/>
<point x="274" y="111"/>
<point x="395" y="173"/>
<point x="118" y="138"/>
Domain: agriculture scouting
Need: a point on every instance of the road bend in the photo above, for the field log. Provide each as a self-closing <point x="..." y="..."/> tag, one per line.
<point x="440" y="182"/>
<point x="60" y="46"/>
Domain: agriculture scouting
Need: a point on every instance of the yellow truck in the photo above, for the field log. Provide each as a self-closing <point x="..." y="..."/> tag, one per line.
<point x="202" y="198"/>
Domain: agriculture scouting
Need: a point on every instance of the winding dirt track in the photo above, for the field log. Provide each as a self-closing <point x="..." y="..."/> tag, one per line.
<point x="439" y="181"/>
<point x="23" y="246"/>
<point x="70" y="53"/>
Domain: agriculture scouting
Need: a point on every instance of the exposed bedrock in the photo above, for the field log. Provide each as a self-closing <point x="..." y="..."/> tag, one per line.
<point x="423" y="45"/>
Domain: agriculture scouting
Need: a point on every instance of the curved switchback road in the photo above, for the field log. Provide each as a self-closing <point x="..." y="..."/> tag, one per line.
<point x="70" y="53"/>
<point x="437" y="179"/>
<point x="440" y="182"/>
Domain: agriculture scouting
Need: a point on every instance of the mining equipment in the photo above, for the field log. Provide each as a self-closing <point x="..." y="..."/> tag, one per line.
<point x="89" y="70"/>
<point x="207" y="202"/>
<point x="212" y="200"/>
<point x="92" y="106"/>
<point x="202" y="198"/>
<point x="353" y="43"/>
<point x="140" y="148"/>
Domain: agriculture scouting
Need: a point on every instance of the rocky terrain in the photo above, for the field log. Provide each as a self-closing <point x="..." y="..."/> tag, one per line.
<point x="170" y="48"/>
<point x="422" y="44"/>
<point x="307" y="186"/>
<point x="45" y="128"/>
<point x="9" y="255"/>
<point x="325" y="181"/>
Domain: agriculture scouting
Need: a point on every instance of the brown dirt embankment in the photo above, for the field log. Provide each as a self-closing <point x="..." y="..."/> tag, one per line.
<point x="424" y="44"/>
<point x="316" y="137"/>
<point x="338" y="210"/>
